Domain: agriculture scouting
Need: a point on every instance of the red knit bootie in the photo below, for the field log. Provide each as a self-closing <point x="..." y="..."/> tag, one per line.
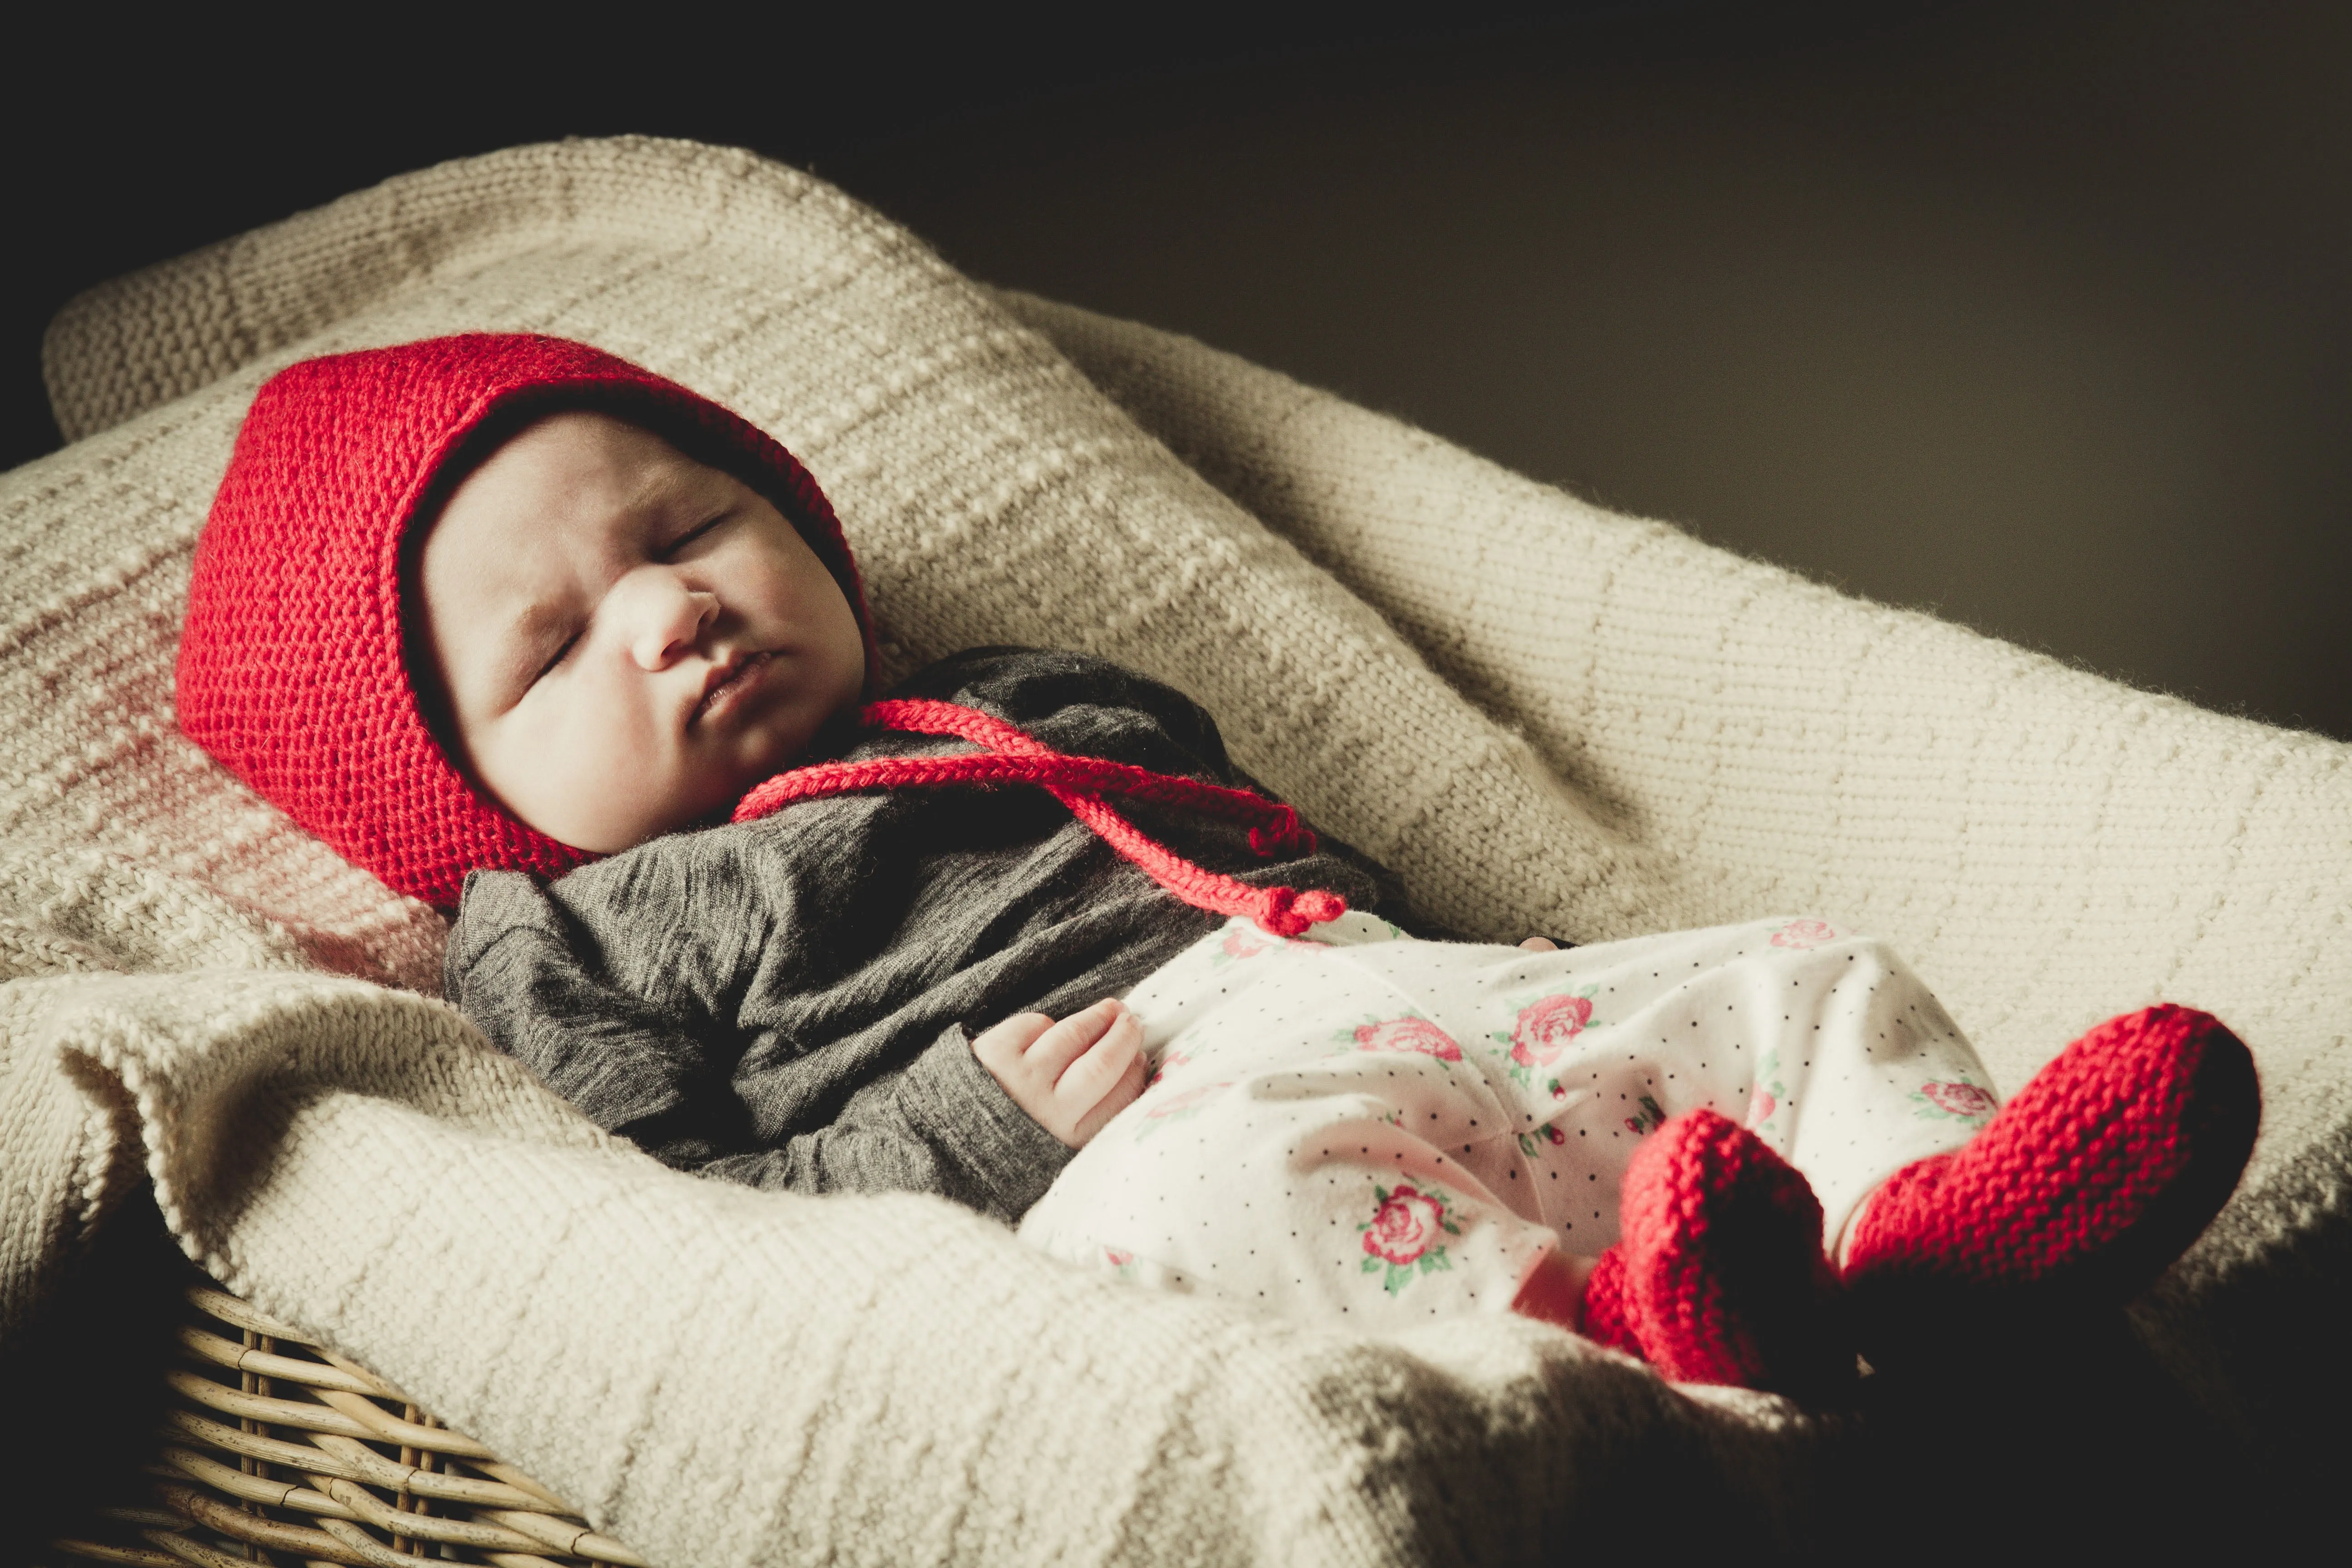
<point x="2076" y="1196"/>
<point x="1608" y="1316"/>
<point x="1718" y="1276"/>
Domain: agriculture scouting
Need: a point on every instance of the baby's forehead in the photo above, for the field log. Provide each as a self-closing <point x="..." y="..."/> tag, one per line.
<point x="582" y="442"/>
<point x="566" y="467"/>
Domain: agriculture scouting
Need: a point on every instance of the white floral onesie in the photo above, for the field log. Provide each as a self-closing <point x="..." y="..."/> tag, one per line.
<point x="1368" y="1129"/>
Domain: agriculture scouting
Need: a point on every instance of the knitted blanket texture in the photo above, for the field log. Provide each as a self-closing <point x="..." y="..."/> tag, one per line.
<point x="1549" y="718"/>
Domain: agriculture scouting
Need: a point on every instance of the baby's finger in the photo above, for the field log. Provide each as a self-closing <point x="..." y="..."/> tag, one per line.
<point x="1124" y="1089"/>
<point x="1098" y="1119"/>
<point x="1000" y="1047"/>
<point x="1050" y="1054"/>
<point x="1540" y="944"/>
<point x="1093" y="1074"/>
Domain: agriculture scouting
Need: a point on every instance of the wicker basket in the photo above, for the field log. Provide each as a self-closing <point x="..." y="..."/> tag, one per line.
<point x="276" y="1451"/>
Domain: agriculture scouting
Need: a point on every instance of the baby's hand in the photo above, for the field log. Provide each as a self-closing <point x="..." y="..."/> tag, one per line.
<point x="1540" y="944"/>
<point x="1071" y="1076"/>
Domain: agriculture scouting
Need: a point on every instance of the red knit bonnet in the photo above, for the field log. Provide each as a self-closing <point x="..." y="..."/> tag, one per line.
<point x="293" y="670"/>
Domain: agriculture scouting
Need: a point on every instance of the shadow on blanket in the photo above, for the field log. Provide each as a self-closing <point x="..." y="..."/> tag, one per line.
<point x="2071" y="1443"/>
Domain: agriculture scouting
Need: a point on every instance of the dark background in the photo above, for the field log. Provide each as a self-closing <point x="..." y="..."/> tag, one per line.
<point x="2033" y="315"/>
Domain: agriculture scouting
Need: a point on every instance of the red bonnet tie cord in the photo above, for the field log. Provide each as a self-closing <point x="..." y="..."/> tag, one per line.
<point x="1007" y="755"/>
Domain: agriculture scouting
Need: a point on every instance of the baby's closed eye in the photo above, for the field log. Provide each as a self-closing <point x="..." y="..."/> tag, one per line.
<point x="562" y="651"/>
<point x="680" y="545"/>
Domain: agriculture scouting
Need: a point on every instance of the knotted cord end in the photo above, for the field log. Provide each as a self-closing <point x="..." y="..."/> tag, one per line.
<point x="1288" y="912"/>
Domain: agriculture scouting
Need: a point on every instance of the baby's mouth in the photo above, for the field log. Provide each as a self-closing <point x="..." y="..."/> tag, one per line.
<point x="726" y="683"/>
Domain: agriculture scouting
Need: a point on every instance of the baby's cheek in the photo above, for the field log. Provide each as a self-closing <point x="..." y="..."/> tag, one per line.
<point x="589" y="774"/>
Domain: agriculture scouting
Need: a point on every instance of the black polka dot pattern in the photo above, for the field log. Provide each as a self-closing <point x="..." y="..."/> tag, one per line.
<point x="1375" y="1129"/>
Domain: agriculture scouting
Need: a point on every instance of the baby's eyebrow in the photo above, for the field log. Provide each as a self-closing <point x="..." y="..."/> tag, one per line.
<point x="664" y="485"/>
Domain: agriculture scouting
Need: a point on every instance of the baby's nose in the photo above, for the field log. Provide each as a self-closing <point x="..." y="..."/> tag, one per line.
<point x="666" y="617"/>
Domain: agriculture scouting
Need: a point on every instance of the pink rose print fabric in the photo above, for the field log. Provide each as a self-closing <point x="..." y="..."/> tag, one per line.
<point x="1178" y="1105"/>
<point x="1647" y="1118"/>
<point x="1961" y="1101"/>
<point x="1378" y="1131"/>
<point x="1765" y="1101"/>
<point x="1545" y="1029"/>
<point x="1804" y="935"/>
<point x="1242" y="941"/>
<point x="1418" y="1035"/>
<point x="1404" y="1239"/>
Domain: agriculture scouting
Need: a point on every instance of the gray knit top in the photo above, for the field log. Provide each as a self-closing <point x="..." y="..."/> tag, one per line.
<point x="790" y="1002"/>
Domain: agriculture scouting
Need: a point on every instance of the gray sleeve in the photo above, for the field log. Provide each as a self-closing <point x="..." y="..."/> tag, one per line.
<point x="944" y="1125"/>
<point x="528" y="976"/>
<point x="1005" y="1159"/>
<point x="516" y="967"/>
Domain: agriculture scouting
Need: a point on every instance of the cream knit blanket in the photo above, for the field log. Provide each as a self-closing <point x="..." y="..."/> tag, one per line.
<point x="1549" y="718"/>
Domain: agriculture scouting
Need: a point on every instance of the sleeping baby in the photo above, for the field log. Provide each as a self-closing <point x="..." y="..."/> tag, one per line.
<point x="528" y="631"/>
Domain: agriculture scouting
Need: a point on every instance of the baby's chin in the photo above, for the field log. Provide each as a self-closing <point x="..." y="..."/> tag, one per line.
<point x="626" y="815"/>
<point x="788" y="739"/>
<point x="701" y="796"/>
<point x="712" y="803"/>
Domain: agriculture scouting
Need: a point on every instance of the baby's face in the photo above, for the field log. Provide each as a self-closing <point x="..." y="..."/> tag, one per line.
<point x="629" y="640"/>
